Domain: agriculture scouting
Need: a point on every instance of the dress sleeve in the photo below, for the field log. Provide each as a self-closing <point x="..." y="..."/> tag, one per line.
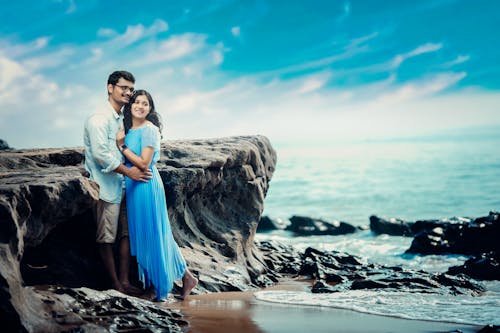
<point x="150" y="137"/>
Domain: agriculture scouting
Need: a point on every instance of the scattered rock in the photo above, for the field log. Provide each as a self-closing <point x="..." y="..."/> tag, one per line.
<point x="478" y="236"/>
<point x="268" y="224"/>
<point x="306" y="226"/>
<point x="485" y="266"/>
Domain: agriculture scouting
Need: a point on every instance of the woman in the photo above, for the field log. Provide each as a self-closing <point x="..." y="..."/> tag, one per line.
<point x="151" y="241"/>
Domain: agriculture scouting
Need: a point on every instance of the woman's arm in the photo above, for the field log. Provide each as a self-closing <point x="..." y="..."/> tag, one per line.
<point x="143" y="161"/>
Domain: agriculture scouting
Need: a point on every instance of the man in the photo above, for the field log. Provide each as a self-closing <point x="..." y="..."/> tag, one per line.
<point x="103" y="161"/>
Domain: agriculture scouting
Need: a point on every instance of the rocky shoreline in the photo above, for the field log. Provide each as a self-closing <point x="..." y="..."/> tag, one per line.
<point x="215" y="196"/>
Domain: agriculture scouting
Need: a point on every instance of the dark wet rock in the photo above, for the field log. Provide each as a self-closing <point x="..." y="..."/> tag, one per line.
<point x="280" y="258"/>
<point x="335" y="271"/>
<point x="320" y="287"/>
<point x="398" y="227"/>
<point x="485" y="266"/>
<point x="306" y="226"/>
<point x="268" y="224"/>
<point x="490" y="329"/>
<point x="392" y="226"/>
<point x="109" y="311"/>
<point x="478" y="236"/>
<point x="368" y="284"/>
<point x="4" y="145"/>
<point x="215" y="195"/>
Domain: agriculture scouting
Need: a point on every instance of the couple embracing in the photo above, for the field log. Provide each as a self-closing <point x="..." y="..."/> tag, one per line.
<point x="123" y="139"/>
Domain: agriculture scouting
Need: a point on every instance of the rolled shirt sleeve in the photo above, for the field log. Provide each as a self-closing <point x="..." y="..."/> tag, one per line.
<point x="102" y="156"/>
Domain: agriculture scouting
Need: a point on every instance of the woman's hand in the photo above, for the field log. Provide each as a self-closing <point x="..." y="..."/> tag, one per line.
<point x="120" y="138"/>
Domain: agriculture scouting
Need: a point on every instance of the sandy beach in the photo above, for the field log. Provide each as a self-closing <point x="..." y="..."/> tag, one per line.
<point x="242" y="312"/>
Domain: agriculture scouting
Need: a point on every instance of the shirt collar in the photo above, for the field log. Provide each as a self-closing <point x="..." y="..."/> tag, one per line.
<point x="115" y="114"/>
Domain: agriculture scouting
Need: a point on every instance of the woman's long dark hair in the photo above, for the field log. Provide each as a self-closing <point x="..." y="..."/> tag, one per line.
<point x="153" y="116"/>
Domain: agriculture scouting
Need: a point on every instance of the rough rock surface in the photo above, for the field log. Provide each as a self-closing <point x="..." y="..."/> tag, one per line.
<point x="215" y="195"/>
<point x="334" y="271"/>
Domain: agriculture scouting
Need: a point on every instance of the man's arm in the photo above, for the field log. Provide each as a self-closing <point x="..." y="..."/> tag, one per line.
<point x="134" y="173"/>
<point x="102" y="153"/>
<point x="99" y="144"/>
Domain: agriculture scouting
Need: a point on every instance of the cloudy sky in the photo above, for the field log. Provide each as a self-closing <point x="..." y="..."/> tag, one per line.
<point x="291" y="70"/>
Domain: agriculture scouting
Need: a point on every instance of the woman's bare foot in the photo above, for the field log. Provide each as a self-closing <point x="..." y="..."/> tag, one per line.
<point x="188" y="283"/>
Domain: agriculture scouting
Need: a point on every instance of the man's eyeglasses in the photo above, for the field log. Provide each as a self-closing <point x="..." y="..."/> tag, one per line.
<point x="126" y="88"/>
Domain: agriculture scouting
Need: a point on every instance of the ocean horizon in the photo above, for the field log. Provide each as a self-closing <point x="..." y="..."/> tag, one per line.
<point x="435" y="176"/>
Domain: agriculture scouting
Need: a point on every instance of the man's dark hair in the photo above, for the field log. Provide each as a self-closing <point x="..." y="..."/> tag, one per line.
<point x="116" y="75"/>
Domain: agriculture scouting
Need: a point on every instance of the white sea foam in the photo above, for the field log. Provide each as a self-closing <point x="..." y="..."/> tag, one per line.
<point x="462" y="309"/>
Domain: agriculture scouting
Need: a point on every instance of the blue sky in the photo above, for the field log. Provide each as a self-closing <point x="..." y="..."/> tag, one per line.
<point x="291" y="70"/>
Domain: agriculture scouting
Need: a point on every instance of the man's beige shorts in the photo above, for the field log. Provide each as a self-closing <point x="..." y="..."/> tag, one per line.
<point x="111" y="221"/>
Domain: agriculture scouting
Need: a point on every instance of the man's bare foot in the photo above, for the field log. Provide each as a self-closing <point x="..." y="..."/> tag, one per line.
<point x="188" y="283"/>
<point x="118" y="286"/>
<point x="131" y="290"/>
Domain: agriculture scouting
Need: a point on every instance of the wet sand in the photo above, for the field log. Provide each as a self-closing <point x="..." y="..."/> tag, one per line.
<point x="242" y="312"/>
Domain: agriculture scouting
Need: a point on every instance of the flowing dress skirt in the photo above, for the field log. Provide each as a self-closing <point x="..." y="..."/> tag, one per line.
<point x="159" y="259"/>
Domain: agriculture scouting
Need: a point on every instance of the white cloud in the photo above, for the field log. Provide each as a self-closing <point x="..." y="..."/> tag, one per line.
<point x="418" y="89"/>
<point x="422" y="49"/>
<point x="196" y="99"/>
<point x="458" y="60"/>
<point x="218" y="57"/>
<point x="175" y="47"/>
<point x="313" y="83"/>
<point x="105" y="32"/>
<point x="11" y="71"/>
<point x="354" y="47"/>
<point x="22" y="49"/>
<point x="279" y="110"/>
<point x="235" y="31"/>
<point x="49" y="60"/>
<point x="133" y="33"/>
<point x="96" y="55"/>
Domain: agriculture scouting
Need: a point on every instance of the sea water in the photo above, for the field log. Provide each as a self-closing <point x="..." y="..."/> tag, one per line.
<point x="420" y="178"/>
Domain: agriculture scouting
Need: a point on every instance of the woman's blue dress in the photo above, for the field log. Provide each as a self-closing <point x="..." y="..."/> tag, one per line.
<point x="151" y="241"/>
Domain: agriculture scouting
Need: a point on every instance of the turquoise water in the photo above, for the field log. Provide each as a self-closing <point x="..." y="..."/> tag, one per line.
<point x="423" y="178"/>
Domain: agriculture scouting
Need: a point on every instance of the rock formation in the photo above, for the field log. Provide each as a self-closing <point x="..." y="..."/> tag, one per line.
<point x="4" y="145"/>
<point x="307" y="226"/>
<point x="215" y="194"/>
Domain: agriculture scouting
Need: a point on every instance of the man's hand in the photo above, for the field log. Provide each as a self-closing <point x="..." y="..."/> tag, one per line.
<point x="138" y="175"/>
<point x="120" y="138"/>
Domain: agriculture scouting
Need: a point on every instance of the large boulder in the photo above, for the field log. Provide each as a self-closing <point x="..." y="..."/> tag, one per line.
<point x="4" y="145"/>
<point x="391" y="226"/>
<point x="478" y="236"/>
<point x="215" y="195"/>
<point x="267" y="223"/>
<point x="307" y="226"/>
<point x="398" y="227"/>
<point x="485" y="266"/>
